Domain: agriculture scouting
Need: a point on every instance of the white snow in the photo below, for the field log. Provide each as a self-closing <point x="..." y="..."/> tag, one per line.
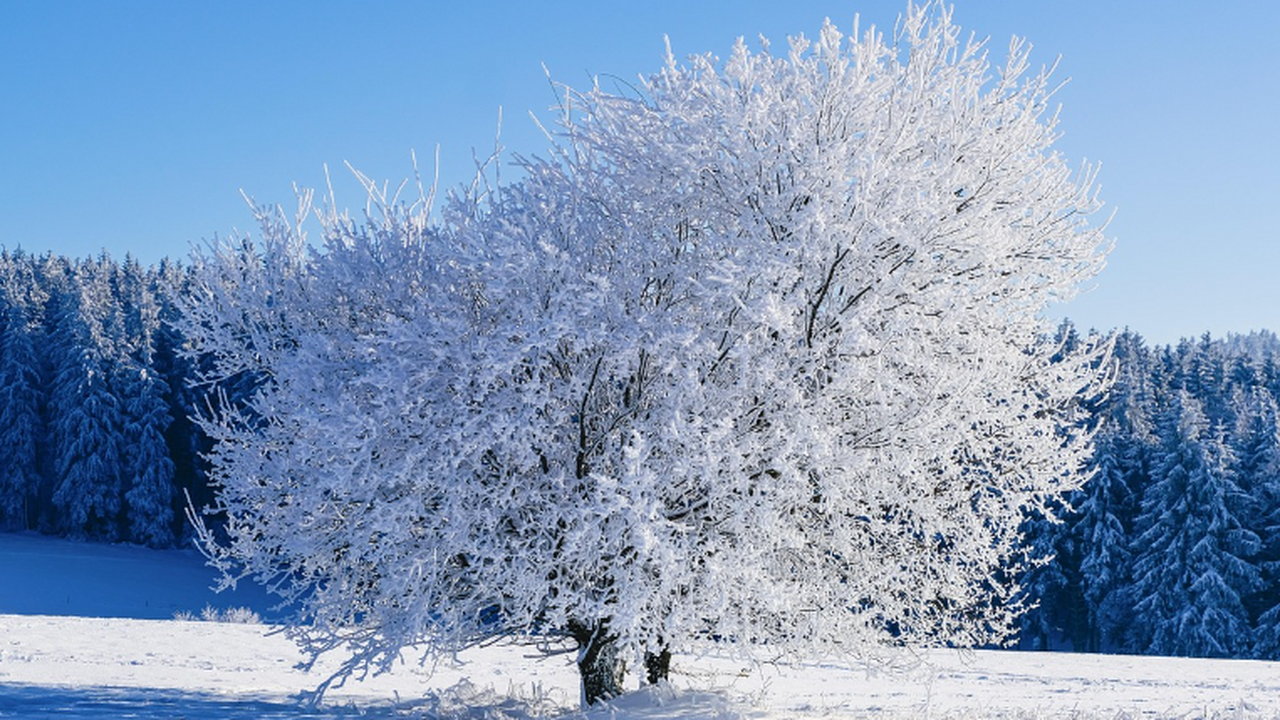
<point x="70" y="666"/>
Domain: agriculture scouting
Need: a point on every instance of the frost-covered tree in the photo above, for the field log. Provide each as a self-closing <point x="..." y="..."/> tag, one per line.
<point x="184" y="440"/>
<point x="755" y="360"/>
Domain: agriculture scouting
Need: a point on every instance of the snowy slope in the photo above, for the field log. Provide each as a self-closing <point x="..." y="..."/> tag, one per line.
<point x="109" y="667"/>
<point x="48" y="576"/>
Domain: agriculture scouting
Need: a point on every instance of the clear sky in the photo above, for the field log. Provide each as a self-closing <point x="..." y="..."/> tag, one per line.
<point x="132" y="126"/>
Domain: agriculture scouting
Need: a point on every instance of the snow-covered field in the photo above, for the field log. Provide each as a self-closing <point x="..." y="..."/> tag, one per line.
<point x="86" y="632"/>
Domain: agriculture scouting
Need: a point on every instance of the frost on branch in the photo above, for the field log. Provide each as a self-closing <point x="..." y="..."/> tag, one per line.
<point x="756" y="362"/>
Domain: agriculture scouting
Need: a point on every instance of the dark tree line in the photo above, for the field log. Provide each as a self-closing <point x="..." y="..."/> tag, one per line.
<point x="95" y="441"/>
<point x="1172" y="548"/>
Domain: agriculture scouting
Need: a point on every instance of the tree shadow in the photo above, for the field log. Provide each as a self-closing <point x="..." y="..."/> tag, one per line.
<point x="31" y="702"/>
<point x="463" y="701"/>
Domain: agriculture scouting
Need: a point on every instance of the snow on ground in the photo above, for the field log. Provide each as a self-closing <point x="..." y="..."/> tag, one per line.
<point x="43" y="575"/>
<point x="220" y="670"/>
<point x="71" y="666"/>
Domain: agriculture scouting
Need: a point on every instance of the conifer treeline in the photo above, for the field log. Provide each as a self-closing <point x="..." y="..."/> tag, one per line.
<point x="1173" y="547"/>
<point x="94" y="437"/>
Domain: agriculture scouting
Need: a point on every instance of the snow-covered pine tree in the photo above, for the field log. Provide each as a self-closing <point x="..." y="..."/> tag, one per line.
<point x="1191" y="552"/>
<point x="1105" y="515"/>
<point x="1233" y="375"/>
<point x="1203" y="374"/>
<point x="1051" y="587"/>
<point x="1104" y="544"/>
<point x="84" y="411"/>
<point x="21" y="391"/>
<point x="1258" y="466"/>
<point x="756" y="361"/>
<point x="147" y="469"/>
<point x="148" y="479"/>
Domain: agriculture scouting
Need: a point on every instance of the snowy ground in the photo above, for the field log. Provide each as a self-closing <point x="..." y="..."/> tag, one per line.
<point x="106" y="661"/>
<point x="47" y="576"/>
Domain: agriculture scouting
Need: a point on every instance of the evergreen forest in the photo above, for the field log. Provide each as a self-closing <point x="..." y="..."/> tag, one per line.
<point x="95" y="440"/>
<point x="1172" y="548"/>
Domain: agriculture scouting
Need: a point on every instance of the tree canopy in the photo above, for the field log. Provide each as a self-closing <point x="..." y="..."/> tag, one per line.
<point x="754" y="358"/>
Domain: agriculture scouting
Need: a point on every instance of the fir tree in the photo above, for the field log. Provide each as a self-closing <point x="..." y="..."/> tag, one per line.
<point x="21" y="393"/>
<point x="1191" y="567"/>
<point x="1104" y="517"/>
<point x="1052" y="586"/>
<point x="84" y="412"/>
<point x="1103" y="539"/>
<point x="1258" y="466"/>
<point x="149" y="470"/>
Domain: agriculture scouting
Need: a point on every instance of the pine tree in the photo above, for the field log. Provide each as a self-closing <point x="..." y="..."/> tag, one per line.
<point x="1203" y="374"/>
<point x="148" y="478"/>
<point x="147" y="469"/>
<point x="21" y="393"/>
<point x="1052" y="585"/>
<point x="1191" y="567"/>
<point x="84" y="412"/>
<point x="1104" y="517"/>
<point x="1258" y="456"/>
<point x="1104" y="541"/>
<point x="1056" y="617"/>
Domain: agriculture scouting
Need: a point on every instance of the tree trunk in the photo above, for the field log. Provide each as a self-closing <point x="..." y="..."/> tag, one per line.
<point x="599" y="664"/>
<point x="657" y="666"/>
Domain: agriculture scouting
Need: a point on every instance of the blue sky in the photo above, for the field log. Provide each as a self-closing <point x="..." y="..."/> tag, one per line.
<point x="132" y="126"/>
